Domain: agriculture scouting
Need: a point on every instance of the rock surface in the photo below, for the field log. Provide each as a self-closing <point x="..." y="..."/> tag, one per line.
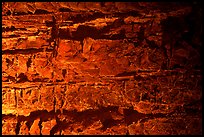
<point x="101" y="68"/>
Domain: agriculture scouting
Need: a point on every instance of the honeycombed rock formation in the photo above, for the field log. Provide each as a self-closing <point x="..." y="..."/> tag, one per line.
<point x="101" y="68"/>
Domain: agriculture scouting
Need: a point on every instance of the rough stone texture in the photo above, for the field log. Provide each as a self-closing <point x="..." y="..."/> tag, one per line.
<point x="101" y="68"/>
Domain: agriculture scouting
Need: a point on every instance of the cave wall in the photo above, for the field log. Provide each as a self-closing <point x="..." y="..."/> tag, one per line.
<point x="101" y="68"/>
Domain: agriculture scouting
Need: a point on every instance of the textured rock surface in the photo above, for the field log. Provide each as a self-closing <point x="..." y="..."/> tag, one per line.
<point x="101" y="68"/>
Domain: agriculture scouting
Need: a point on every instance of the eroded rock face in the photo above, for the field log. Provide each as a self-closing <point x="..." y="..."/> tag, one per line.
<point x="101" y="68"/>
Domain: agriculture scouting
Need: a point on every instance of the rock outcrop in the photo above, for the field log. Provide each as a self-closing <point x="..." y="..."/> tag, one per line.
<point x="101" y="68"/>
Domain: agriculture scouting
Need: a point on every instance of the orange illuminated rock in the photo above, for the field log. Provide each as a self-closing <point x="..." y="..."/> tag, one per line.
<point x="47" y="126"/>
<point x="35" y="129"/>
<point x="23" y="129"/>
<point x="9" y="126"/>
<point x="110" y="68"/>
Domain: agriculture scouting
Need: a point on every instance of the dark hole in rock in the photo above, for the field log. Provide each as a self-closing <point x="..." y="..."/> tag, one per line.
<point x="8" y="12"/>
<point x="15" y="13"/>
<point x="79" y="130"/>
<point x="22" y="78"/>
<point x="41" y="11"/>
<point x="65" y="10"/>
<point x="64" y="71"/>
<point x="17" y="128"/>
<point x="28" y="63"/>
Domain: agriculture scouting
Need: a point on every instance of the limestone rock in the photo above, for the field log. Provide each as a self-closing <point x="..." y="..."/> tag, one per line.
<point x="35" y="129"/>
<point x="110" y="68"/>
<point x="23" y="129"/>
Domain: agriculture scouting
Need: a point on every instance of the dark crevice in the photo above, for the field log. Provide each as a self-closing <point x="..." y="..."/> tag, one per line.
<point x="120" y="35"/>
<point x="84" y="17"/>
<point x="132" y="115"/>
<point x="11" y="36"/>
<point x="102" y="4"/>
<point x="127" y="133"/>
<point x="92" y="32"/>
<point x="57" y="127"/>
<point x="21" y="13"/>
<point x="5" y="29"/>
<point x="64" y="72"/>
<point x="61" y="125"/>
<point x="25" y="51"/>
<point x="117" y="23"/>
<point x="44" y="115"/>
<point x="141" y="36"/>
<point x="152" y="44"/>
<point x="79" y="130"/>
<point x="139" y="78"/>
<point x="41" y="11"/>
<point x="17" y="128"/>
<point x="65" y="34"/>
<point x="22" y="78"/>
<point x="28" y="63"/>
<point x="173" y="28"/>
<point x="126" y="14"/>
<point x="72" y="82"/>
<point x="87" y="117"/>
<point x="9" y="62"/>
<point x="40" y="126"/>
<point x="11" y="78"/>
<point x="65" y="10"/>
<point x="176" y="66"/>
<point x="85" y="31"/>
<point x="8" y="13"/>
<point x="59" y="80"/>
<point x="132" y="73"/>
<point x="54" y="102"/>
<point x="54" y="30"/>
<point x="8" y="116"/>
<point x="108" y="123"/>
<point x="39" y="80"/>
<point x="12" y="28"/>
